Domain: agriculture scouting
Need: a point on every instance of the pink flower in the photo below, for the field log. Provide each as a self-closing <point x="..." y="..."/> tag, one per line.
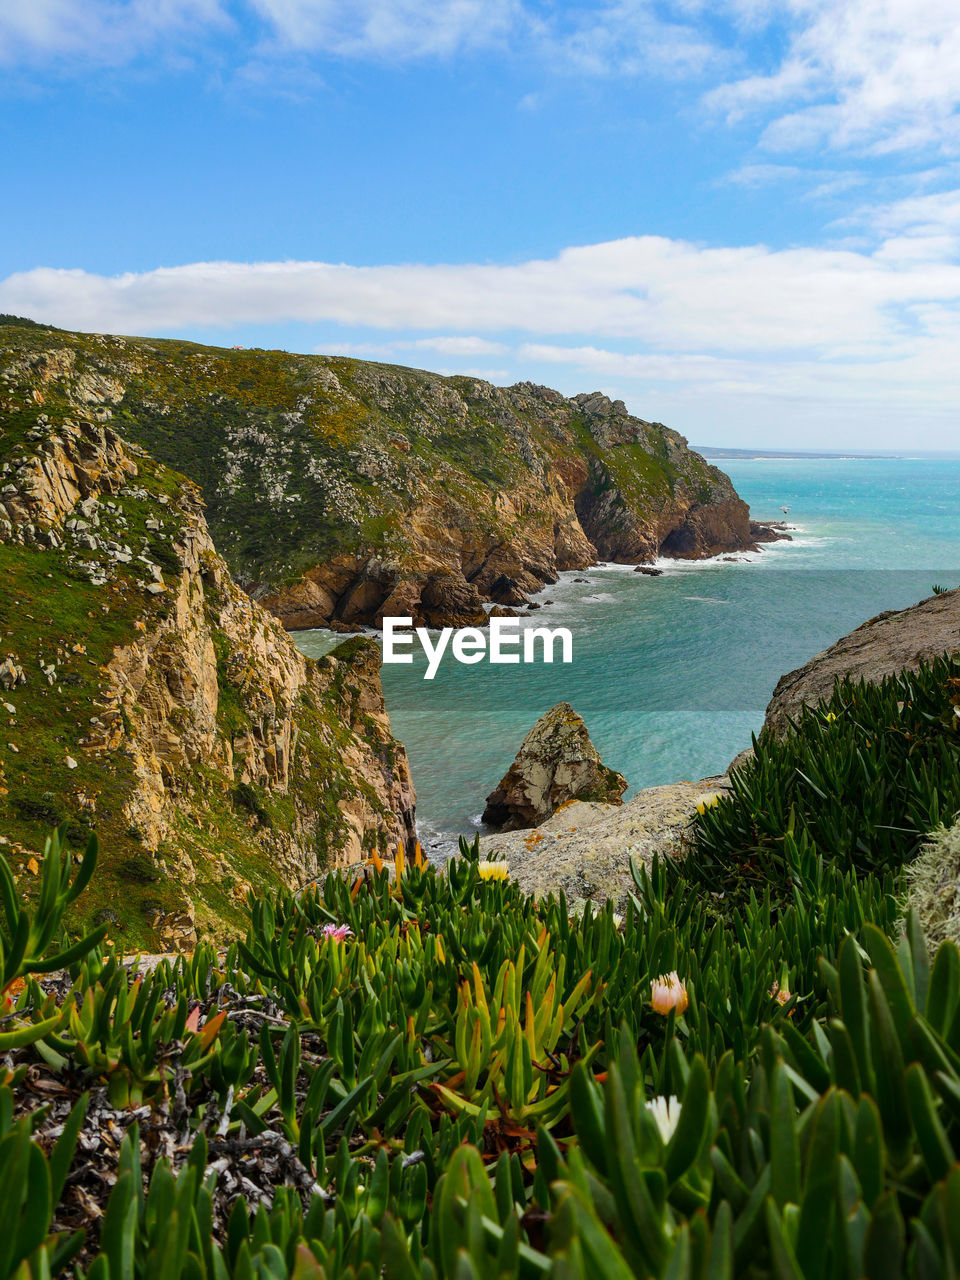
<point x="781" y="995"/>
<point x="339" y="932"/>
<point x="668" y="992"/>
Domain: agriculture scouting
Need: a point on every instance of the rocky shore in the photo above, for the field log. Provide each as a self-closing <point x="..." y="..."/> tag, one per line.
<point x="585" y="848"/>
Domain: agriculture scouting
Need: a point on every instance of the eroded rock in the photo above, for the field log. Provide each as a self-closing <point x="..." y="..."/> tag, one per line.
<point x="557" y="763"/>
<point x="585" y="849"/>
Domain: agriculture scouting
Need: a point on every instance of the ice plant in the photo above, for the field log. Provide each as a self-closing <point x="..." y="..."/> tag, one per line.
<point x="668" y="992"/>
<point x="492" y="870"/>
<point x="666" y="1112"/>
<point x="708" y="802"/>
<point x="339" y="932"/>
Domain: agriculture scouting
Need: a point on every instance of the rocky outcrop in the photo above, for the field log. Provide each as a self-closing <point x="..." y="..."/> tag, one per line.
<point x="585" y="849"/>
<point x="169" y="711"/>
<point x="339" y="491"/>
<point x="888" y="643"/>
<point x="770" y="531"/>
<point x="556" y="763"/>
<point x="166" y="685"/>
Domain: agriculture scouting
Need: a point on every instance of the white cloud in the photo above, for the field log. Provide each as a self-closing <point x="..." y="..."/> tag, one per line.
<point x="625" y="37"/>
<point x="874" y="74"/>
<point x="880" y="74"/>
<point x="100" y="31"/>
<point x="669" y="294"/>
<point x="459" y="346"/>
<point x="674" y="325"/>
<point x="462" y="346"/>
<point x="763" y="175"/>
<point x="391" y="28"/>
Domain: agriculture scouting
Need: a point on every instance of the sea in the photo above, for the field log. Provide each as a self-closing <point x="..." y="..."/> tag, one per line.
<point x="672" y="674"/>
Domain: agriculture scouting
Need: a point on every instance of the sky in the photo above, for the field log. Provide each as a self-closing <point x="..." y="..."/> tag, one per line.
<point x="742" y="217"/>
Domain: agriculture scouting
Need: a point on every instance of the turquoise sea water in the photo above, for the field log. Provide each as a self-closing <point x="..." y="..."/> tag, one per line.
<point x="672" y="674"/>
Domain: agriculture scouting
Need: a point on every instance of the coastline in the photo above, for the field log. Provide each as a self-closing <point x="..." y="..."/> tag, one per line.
<point x="696" y="676"/>
<point x="571" y="601"/>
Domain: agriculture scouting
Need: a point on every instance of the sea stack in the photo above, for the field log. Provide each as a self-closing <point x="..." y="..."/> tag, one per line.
<point x="556" y="763"/>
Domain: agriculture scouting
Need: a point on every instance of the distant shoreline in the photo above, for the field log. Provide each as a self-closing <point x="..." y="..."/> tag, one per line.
<point x="712" y="451"/>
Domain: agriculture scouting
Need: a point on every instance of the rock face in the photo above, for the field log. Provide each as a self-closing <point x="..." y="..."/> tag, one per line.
<point x="885" y="644"/>
<point x="557" y="763"/>
<point x="339" y="491"/>
<point x="585" y="849"/>
<point x="149" y="698"/>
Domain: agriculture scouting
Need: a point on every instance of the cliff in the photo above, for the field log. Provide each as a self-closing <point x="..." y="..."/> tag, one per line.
<point x="145" y="696"/>
<point x="339" y="490"/>
<point x="892" y="641"/>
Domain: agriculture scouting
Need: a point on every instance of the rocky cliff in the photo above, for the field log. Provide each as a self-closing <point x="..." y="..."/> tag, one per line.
<point x="145" y="696"/>
<point x="339" y="490"/>
<point x="890" y="642"/>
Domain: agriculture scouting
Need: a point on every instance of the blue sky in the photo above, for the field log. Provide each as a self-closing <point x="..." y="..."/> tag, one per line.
<point x="742" y="216"/>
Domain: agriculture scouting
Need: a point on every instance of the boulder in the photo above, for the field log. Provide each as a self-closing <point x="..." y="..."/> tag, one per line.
<point x="11" y="675"/>
<point x="557" y="763"/>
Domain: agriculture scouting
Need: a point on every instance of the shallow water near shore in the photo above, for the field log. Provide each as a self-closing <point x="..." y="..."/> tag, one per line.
<point x="672" y="674"/>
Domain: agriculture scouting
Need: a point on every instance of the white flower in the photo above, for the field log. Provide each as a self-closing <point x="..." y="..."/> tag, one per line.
<point x="666" y="1112"/>
<point x="668" y="992"/>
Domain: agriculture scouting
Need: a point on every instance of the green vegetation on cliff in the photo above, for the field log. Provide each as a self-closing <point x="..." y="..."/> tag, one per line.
<point x="390" y="474"/>
<point x="143" y="696"/>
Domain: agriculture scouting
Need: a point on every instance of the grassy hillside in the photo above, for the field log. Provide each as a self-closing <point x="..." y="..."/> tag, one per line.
<point x="415" y="1073"/>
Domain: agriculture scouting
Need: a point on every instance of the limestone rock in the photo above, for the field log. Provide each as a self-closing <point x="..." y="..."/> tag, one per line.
<point x="885" y="644"/>
<point x="557" y="763"/>
<point x="585" y="849"/>
<point x="11" y="673"/>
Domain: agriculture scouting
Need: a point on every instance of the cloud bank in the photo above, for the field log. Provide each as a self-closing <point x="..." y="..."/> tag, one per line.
<point x="864" y="328"/>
